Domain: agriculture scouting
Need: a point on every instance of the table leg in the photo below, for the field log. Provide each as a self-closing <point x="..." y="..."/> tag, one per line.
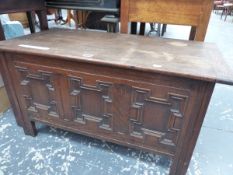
<point x="134" y="28"/>
<point x="192" y="33"/>
<point x="164" y="29"/>
<point x="142" y="28"/>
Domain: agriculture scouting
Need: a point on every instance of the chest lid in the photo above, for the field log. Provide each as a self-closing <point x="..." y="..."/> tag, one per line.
<point x="190" y="59"/>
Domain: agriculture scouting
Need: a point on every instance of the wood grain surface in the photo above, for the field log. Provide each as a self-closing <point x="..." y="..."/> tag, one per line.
<point x="180" y="12"/>
<point x="174" y="57"/>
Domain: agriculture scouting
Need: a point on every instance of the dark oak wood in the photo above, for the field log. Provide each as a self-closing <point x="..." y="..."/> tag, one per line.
<point x="27" y="6"/>
<point x="10" y="91"/>
<point x="180" y="12"/>
<point x="145" y="93"/>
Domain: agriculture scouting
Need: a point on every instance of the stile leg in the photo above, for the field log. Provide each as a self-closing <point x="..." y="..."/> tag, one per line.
<point x="30" y="128"/>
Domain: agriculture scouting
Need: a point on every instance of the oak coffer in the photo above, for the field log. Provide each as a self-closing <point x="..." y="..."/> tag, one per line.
<point x="147" y="93"/>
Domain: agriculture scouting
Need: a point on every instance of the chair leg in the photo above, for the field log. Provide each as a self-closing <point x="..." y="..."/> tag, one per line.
<point x="134" y="28"/>
<point x="2" y="36"/>
<point x="226" y="13"/>
<point x="222" y="13"/>
<point x="164" y="29"/>
<point x="31" y="21"/>
<point x="159" y="30"/>
<point x="42" y="15"/>
<point x="142" y="28"/>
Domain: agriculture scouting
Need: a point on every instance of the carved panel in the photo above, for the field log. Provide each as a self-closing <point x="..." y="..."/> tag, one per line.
<point x="156" y="117"/>
<point x="91" y="103"/>
<point x="38" y="91"/>
<point x="143" y="113"/>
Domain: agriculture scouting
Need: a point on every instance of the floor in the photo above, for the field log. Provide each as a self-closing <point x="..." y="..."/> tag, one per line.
<point x="55" y="151"/>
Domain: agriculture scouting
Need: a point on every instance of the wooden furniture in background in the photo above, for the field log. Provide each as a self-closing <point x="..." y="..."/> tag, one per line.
<point x="81" y="18"/>
<point x="97" y="84"/>
<point x="227" y="9"/>
<point x="28" y="6"/>
<point x="189" y="12"/>
<point x="111" y="6"/>
<point x="86" y="11"/>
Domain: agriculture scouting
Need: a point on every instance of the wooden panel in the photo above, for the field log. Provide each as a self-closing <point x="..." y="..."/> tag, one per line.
<point x="41" y="98"/>
<point x="103" y="105"/>
<point x="166" y="11"/>
<point x="124" y="16"/>
<point x="149" y="111"/>
<point x="179" y="12"/>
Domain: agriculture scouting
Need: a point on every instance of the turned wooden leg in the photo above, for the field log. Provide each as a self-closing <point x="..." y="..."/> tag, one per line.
<point x="30" y="128"/>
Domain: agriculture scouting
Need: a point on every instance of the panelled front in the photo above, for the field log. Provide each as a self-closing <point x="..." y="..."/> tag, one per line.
<point x="141" y="113"/>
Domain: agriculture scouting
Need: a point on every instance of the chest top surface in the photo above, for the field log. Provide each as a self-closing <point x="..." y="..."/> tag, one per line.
<point x="195" y="60"/>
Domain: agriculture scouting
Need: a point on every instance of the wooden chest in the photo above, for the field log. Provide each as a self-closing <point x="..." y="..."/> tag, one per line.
<point x="136" y="91"/>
